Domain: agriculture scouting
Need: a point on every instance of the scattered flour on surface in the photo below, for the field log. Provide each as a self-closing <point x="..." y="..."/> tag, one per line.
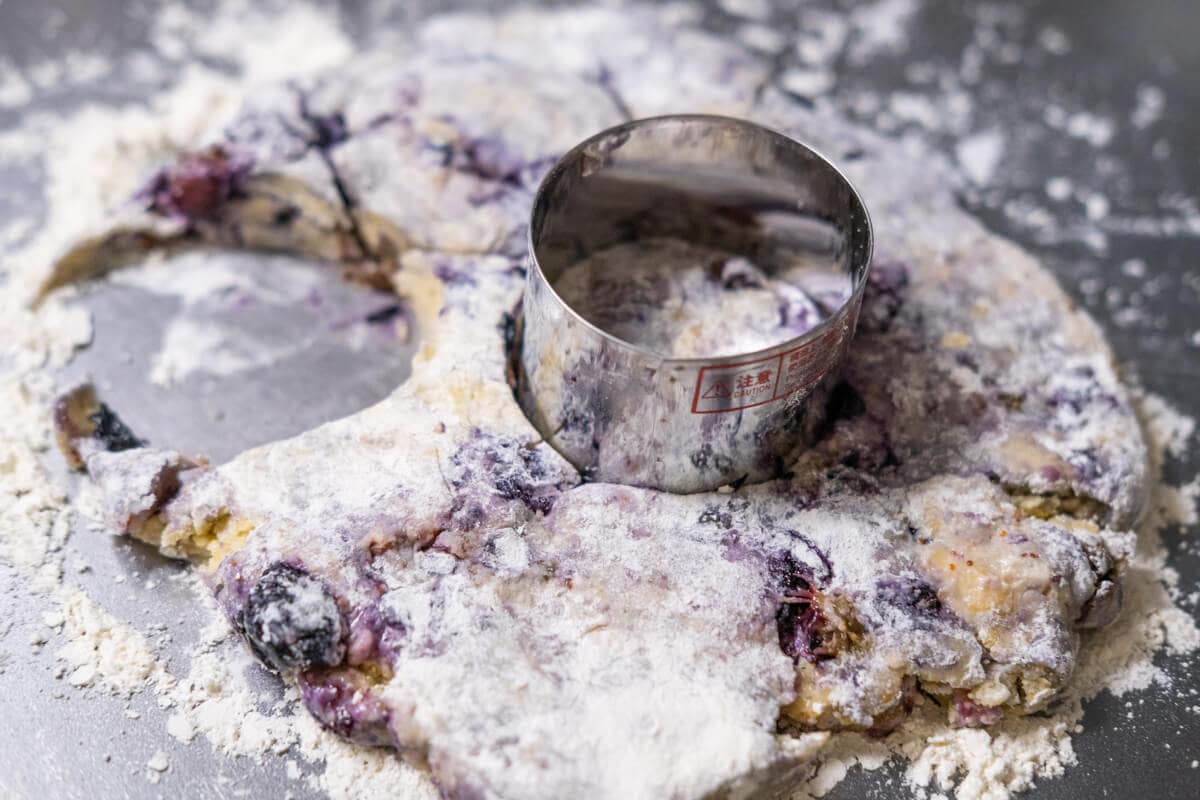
<point x="102" y="651"/>
<point x="208" y="333"/>
<point x="192" y="346"/>
<point x="307" y="39"/>
<point x="215" y="700"/>
<point x="979" y="155"/>
<point x="879" y="27"/>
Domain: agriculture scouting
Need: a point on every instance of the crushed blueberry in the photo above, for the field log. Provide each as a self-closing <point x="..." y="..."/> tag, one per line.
<point x="340" y="702"/>
<point x="512" y="468"/>
<point x="329" y="129"/>
<point x="488" y="157"/>
<point x="737" y="503"/>
<point x="1086" y="463"/>
<point x="468" y="514"/>
<point x="1072" y="399"/>
<point x="291" y="620"/>
<point x="799" y="619"/>
<point x="816" y="551"/>
<point x="713" y="515"/>
<point x="374" y="632"/>
<point x="883" y="297"/>
<point x="966" y="713"/>
<point x="386" y="314"/>
<point x="198" y="185"/>
<point x="732" y="548"/>
<point x="964" y="359"/>
<point x="453" y="277"/>
<point x="909" y="595"/>
<point x="114" y="434"/>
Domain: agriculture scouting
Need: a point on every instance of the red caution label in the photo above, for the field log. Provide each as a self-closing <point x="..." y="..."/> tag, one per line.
<point x="733" y="387"/>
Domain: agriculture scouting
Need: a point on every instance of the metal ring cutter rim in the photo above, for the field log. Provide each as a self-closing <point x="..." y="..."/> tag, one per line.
<point x="859" y="276"/>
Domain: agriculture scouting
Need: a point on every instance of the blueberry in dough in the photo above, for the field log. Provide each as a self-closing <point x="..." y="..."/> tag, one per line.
<point x="292" y="621"/>
<point x="960" y="521"/>
<point x="83" y="424"/>
<point x="198" y="185"/>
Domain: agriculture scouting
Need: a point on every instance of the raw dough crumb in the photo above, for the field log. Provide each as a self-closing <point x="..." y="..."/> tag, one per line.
<point x="159" y="762"/>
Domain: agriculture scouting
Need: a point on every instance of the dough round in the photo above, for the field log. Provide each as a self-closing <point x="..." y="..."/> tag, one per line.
<point x="457" y="592"/>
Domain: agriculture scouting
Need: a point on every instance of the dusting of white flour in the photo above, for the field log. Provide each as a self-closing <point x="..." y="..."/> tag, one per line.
<point x="211" y="697"/>
<point x="991" y="764"/>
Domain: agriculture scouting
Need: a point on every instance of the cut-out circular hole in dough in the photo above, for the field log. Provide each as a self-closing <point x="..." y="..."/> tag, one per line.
<point x="215" y="351"/>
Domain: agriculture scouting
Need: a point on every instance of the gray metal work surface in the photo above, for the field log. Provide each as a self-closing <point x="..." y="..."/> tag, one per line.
<point x="59" y="743"/>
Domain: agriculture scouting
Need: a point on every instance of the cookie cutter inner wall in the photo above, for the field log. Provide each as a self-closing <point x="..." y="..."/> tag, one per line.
<point x="625" y="414"/>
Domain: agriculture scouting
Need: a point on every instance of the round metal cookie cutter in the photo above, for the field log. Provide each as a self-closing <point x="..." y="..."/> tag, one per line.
<point x="622" y="413"/>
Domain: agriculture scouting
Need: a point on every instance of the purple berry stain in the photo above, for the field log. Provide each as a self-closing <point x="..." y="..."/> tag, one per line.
<point x="966" y="713"/>
<point x="491" y="159"/>
<point x="340" y="700"/>
<point x="198" y="185"/>
<point x="886" y="286"/>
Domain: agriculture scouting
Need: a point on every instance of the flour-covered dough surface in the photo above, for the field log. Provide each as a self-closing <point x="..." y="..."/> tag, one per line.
<point x="438" y="580"/>
<point x="688" y="301"/>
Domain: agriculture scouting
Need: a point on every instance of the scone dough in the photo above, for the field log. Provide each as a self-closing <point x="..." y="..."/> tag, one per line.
<point x="438" y="580"/>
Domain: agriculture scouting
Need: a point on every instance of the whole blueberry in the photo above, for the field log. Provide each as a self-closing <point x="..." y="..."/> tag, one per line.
<point x="113" y="432"/>
<point x="292" y="621"/>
